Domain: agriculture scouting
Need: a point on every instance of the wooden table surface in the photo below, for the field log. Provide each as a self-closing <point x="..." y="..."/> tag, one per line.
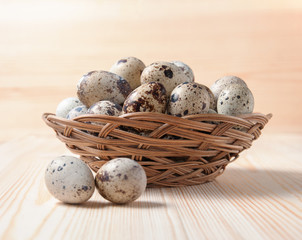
<point x="46" y="46"/>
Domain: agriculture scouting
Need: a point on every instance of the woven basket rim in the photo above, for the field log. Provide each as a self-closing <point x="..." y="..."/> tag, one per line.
<point x="159" y="116"/>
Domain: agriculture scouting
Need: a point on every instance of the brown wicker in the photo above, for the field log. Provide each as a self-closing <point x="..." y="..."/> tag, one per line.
<point x="173" y="151"/>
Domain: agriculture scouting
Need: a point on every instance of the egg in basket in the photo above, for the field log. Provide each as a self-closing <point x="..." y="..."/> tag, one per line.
<point x="181" y="132"/>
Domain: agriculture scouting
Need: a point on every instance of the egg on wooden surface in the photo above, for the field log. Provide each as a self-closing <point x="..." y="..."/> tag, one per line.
<point x="77" y="111"/>
<point x="102" y="85"/>
<point x="149" y="97"/>
<point x="186" y="69"/>
<point x="235" y="99"/>
<point x="121" y="180"/>
<point x="69" y="179"/>
<point x="66" y="105"/>
<point x="165" y="73"/>
<point x="130" y="69"/>
<point x="188" y="99"/>
<point x="221" y="83"/>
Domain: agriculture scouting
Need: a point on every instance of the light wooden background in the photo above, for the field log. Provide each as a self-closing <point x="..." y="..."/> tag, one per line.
<point x="46" y="46"/>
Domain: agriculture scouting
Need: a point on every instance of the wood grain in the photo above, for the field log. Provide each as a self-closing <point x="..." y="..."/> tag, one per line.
<point x="258" y="197"/>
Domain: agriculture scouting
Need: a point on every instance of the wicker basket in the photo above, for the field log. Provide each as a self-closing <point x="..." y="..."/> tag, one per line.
<point x="173" y="151"/>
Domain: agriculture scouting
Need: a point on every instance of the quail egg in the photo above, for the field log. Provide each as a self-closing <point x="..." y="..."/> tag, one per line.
<point x="235" y="99"/>
<point x="213" y="101"/>
<point x="165" y="73"/>
<point x="121" y="180"/>
<point x="149" y="97"/>
<point x="212" y="111"/>
<point x="66" y="105"/>
<point x="101" y="85"/>
<point x="69" y="179"/>
<point x="105" y="107"/>
<point x="77" y="111"/>
<point x="188" y="99"/>
<point x="186" y="69"/>
<point x="221" y="83"/>
<point x="130" y="69"/>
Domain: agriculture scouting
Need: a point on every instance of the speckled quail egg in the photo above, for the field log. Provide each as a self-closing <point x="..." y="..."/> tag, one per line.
<point x="101" y="85"/>
<point x="129" y="68"/>
<point x="212" y="111"/>
<point x="235" y="99"/>
<point x="149" y="97"/>
<point x="188" y="99"/>
<point x="213" y="101"/>
<point x="121" y="180"/>
<point x="77" y="111"/>
<point x="165" y="73"/>
<point x="105" y="107"/>
<point x="69" y="179"/>
<point x="221" y="83"/>
<point x="186" y="69"/>
<point x="66" y="105"/>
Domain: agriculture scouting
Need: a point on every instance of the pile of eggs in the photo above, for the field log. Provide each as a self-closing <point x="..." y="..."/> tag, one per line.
<point x="163" y="87"/>
<point x="130" y="86"/>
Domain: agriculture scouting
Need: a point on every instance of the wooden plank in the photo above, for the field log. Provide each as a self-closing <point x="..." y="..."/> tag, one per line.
<point x="258" y="197"/>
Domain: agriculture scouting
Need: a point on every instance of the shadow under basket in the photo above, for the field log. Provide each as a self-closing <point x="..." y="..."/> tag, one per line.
<point x="174" y="151"/>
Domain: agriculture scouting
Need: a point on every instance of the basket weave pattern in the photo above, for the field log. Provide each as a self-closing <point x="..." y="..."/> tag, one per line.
<point x="173" y="151"/>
